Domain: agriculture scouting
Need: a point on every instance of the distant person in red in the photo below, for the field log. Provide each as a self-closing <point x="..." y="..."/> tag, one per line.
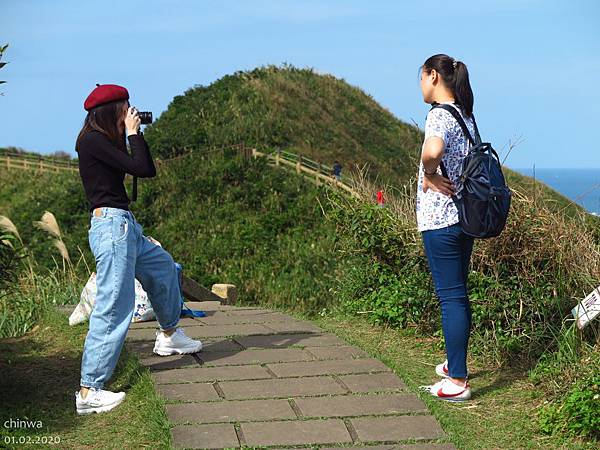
<point x="380" y="199"/>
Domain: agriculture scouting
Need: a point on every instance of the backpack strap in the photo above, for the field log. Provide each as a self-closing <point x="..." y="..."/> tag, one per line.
<point x="463" y="126"/>
<point x="461" y="122"/>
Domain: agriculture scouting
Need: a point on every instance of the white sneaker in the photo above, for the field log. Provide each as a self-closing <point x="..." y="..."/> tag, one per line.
<point x="97" y="401"/>
<point x="447" y="390"/>
<point x="442" y="370"/>
<point x="177" y="343"/>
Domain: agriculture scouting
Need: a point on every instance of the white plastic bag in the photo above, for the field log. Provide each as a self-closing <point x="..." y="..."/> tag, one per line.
<point x="142" y="310"/>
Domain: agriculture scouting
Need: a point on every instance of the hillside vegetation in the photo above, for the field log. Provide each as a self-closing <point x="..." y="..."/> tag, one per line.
<point x="319" y="116"/>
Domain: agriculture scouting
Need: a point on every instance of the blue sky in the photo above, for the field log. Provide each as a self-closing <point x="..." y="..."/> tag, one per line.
<point x="534" y="65"/>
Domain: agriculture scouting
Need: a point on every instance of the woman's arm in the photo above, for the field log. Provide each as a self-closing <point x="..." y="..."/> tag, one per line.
<point x="139" y="163"/>
<point x="433" y="150"/>
<point x="436" y="136"/>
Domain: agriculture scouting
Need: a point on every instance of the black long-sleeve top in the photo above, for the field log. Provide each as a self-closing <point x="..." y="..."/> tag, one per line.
<point x="102" y="167"/>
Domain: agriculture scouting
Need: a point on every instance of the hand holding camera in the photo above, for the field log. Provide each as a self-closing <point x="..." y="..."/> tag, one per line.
<point x="135" y="118"/>
<point x="132" y="121"/>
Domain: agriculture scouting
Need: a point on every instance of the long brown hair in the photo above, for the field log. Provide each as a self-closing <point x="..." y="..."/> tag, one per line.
<point x="104" y="118"/>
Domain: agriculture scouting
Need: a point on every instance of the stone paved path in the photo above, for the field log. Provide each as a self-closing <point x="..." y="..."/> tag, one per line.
<point x="267" y="379"/>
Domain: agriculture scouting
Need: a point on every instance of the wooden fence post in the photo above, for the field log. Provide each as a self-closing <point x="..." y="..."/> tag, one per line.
<point x="299" y="163"/>
<point x="277" y="157"/>
<point x="8" y="162"/>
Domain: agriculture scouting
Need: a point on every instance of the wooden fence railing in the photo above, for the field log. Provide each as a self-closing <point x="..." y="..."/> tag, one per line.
<point x="10" y="160"/>
<point x="320" y="173"/>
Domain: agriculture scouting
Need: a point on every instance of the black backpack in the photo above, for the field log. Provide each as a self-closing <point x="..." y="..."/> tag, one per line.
<point x="482" y="196"/>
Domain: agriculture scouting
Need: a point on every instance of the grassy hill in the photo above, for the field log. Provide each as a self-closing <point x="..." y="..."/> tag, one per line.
<point x="319" y="116"/>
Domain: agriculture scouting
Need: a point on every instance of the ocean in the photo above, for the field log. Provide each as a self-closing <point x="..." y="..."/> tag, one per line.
<point x="580" y="185"/>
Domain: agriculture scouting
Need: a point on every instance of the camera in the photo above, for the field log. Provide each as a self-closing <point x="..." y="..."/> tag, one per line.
<point x="145" y="117"/>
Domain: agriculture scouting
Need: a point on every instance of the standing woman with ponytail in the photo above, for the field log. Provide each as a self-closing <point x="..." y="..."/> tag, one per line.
<point x="121" y="251"/>
<point x="445" y="80"/>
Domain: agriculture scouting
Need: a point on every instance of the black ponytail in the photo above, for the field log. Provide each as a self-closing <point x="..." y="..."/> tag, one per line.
<point x="456" y="78"/>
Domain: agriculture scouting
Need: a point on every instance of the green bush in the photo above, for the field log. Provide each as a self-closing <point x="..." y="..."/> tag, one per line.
<point x="239" y="221"/>
<point x="522" y="285"/>
<point x="578" y="411"/>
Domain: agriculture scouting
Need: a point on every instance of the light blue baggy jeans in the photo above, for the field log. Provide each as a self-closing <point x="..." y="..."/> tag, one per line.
<point x="123" y="254"/>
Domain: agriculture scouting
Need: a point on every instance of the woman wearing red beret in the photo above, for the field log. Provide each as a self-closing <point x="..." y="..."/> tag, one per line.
<point x="121" y="251"/>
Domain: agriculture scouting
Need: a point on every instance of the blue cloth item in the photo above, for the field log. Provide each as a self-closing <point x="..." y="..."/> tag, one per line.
<point x="122" y="254"/>
<point x="187" y="312"/>
<point x="449" y="251"/>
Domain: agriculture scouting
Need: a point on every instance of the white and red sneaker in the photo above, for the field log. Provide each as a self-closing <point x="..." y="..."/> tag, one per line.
<point x="442" y="370"/>
<point x="449" y="391"/>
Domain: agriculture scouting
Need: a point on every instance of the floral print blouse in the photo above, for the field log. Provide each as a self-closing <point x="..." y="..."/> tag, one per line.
<point x="436" y="210"/>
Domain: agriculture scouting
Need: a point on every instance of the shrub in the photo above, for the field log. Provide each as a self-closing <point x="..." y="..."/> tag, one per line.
<point x="522" y="284"/>
<point x="577" y="412"/>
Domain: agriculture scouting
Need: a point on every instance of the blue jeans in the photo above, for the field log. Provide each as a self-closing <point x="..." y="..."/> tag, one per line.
<point x="448" y="251"/>
<point x="123" y="254"/>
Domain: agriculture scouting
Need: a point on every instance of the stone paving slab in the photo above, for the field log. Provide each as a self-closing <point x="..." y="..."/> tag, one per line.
<point x="188" y="392"/>
<point x="290" y="326"/>
<point x="211" y="436"/>
<point x="199" y="374"/>
<point x="230" y="411"/>
<point x="372" y="382"/>
<point x="243" y="329"/>
<point x="278" y="387"/>
<point x="295" y="432"/>
<point x="226" y="318"/>
<point x="288" y="340"/>
<point x="397" y="428"/>
<point x="360" y="405"/>
<point x="307" y="368"/>
<point x="254" y="356"/>
<point x="337" y="352"/>
<point x="156" y="362"/>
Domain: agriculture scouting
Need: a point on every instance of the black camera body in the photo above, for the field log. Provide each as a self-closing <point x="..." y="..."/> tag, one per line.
<point x="145" y="117"/>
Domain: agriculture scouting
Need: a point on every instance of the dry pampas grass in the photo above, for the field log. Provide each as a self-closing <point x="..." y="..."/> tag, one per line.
<point x="9" y="227"/>
<point x="49" y="224"/>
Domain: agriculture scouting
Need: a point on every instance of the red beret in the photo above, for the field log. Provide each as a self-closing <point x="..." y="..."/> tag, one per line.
<point x="105" y="93"/>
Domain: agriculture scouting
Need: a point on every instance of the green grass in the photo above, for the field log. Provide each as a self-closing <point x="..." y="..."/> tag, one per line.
<point x="39" y="374"/>
<point x="503" y="411"/>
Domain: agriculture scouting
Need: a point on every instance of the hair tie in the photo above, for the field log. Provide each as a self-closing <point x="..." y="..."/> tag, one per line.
<point x="454" y="63"/>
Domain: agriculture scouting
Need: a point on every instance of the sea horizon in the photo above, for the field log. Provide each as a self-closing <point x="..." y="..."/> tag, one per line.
<point x="580" y="185"/>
